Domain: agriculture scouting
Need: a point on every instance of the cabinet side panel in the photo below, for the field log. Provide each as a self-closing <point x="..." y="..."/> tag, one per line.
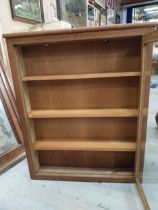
<point x="16" y="61"/>
<point x="148" y="48"/>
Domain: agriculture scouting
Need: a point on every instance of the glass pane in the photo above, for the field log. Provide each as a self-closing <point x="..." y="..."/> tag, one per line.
<point x="7" y="137"/>
<point x="74" y="12"/>
<point x="150" y="171"/>
<point x="145" y="14"/>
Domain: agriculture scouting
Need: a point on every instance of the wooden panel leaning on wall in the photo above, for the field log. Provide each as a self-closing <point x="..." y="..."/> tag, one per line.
<point x="16" y="152"/>
<point x="79" y="95"/>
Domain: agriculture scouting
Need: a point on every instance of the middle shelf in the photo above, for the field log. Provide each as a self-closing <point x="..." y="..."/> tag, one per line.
<point x="81" y="76"/>
<point x="108" y="146"/>
<point x="81" y="113"/>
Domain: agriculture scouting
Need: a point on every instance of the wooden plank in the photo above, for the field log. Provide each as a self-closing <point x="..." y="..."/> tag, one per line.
<point x="150" y="37"/>
<point x="82" y="174"/>
<point x="80" y="76"/>
<point x="11" y="157"/>
<point x="85" y="145"/>
<point x="83" y="30"/>
<point x="15" y="61"/>
<point x="24" y="87"/>
<point x="83" y="113"/>
<point x="80" y="36"/>
<point x="141" y="101"/>
<point x="146" y="66"/>
<point x="142" y="195"/>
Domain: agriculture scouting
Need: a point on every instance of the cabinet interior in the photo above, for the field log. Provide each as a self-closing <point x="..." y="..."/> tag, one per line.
<point x="82" y="102"/>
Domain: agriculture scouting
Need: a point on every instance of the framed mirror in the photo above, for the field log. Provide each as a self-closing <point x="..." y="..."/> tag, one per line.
<point x="11" y="138"/>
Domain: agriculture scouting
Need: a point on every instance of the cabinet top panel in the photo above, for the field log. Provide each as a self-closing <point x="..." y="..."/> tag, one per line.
<point x="82" y="30"/>
<point x="80" y="34"/>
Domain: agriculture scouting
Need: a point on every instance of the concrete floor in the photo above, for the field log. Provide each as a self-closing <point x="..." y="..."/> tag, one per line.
<point x="19" y="192"/>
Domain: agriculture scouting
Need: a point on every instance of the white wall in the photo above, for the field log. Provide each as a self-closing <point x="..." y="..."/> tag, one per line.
<point x="50" y="10"/>
<point x="4" y="59"/>
<point x="8" y="25"/>
<point x="123" y="15"/>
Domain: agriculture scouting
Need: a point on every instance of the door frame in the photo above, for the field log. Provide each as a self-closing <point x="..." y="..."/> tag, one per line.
<point x="146" y="68"/>
<point x="16" y="153"/>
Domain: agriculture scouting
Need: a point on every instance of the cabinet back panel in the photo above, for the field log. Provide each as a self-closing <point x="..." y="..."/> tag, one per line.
<point x="91" y="93"/>
<point x="106" y="160"/>
<point x="83" y="57"/>
<point x="86" y="128"/>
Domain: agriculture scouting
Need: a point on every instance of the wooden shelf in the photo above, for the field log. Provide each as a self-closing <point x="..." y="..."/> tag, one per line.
<point x="65" y="173"/>
<point x="79" y="113"/>
<point x="108" y="146"/>
<point x="81" y="76"/>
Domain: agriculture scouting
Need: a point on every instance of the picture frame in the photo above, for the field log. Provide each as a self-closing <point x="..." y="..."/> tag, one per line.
<point x="30" y="11"/>
<point x="90" y="12"/>
<point x="103" y="19"/>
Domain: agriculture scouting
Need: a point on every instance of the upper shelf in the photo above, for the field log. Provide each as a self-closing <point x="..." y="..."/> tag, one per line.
<point x="81" y="76"/>
<point x="80" y="113"/>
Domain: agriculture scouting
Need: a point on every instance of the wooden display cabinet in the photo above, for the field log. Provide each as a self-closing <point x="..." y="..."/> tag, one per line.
<point x="83" y="98"/>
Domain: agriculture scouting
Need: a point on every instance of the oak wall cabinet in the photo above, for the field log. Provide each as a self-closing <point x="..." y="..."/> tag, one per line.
<point x="82" y="96"/>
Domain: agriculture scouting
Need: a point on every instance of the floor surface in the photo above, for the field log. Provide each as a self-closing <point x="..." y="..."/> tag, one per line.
<point x="19" y="192"/>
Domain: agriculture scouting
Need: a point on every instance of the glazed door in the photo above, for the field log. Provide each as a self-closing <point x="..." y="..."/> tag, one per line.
<point x="147" y="156"/>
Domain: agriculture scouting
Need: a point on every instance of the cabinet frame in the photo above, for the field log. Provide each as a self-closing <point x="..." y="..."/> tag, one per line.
<point x="17" y="40"/>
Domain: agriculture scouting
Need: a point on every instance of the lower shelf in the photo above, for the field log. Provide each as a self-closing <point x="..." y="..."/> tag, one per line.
<point x="111" y="146"/>
<point x="79" y="174"/>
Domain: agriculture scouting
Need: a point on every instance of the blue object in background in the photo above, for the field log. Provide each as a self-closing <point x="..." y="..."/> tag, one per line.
<point x="130" y="10"/>
<point x="129" y="15"/>
<point x="154" y="85"/>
